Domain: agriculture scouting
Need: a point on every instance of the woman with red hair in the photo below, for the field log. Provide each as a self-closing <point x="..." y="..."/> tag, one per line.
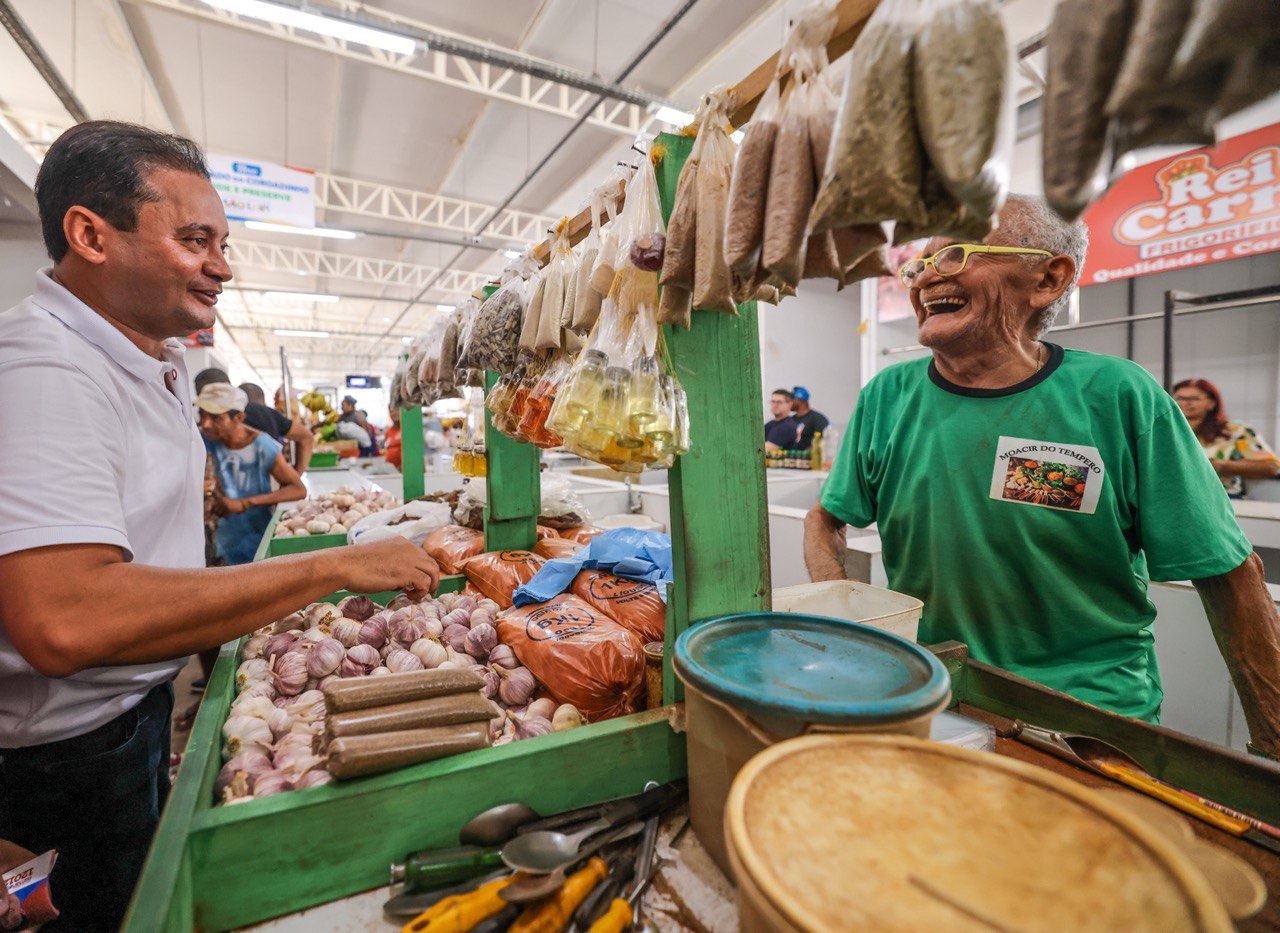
<point x="1235" y="450"/>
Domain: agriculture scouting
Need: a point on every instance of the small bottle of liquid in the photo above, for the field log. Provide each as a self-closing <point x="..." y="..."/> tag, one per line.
<point x="815" y="452"/>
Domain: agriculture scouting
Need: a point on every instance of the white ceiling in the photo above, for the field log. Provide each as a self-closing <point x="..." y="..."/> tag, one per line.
<point x="238" y="92"/>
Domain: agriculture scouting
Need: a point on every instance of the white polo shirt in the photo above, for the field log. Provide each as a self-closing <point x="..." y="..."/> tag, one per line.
<point x="94" y="448"/>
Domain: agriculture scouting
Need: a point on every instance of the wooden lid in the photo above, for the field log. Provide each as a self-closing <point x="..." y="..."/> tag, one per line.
<point x="886" y="831"/>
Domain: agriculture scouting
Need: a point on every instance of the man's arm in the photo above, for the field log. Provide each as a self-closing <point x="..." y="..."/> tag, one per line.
<point x="824" y="545"/>
<point x="1247" y="628"/>
<point x="71" y="607"/>
<point x="301" y="435"/>
<point x="1265" y="466"/>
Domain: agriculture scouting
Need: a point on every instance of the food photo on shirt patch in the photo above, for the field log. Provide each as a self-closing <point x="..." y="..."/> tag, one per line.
<point x="1055" y="476"/>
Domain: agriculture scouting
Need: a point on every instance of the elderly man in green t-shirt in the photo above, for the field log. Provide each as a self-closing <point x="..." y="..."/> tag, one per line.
<point x="1027" y="493"/>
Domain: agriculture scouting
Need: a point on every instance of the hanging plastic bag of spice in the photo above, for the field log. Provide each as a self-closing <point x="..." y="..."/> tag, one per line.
<point x="495" y="336"/>
<point x="875" y="263"/>
<point x="586" y="306"/>
<point x="1219" y="31"/>
<point x="791" y="187"/>
<point x="611" y="193"/>
<point x="874" y="170"/>
<point x="1084" y="47"/>
<point x="712" y="281"/>
<point x="679" y="262"/>
<point x="749" y="186"/>
<point x="964" y="107"/>
<point x="555" y="292"/>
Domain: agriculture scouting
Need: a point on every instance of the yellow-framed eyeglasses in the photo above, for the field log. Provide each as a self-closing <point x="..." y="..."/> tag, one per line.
<point x="951" y="260"/>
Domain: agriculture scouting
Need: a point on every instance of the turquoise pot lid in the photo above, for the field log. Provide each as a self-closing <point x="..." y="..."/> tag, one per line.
<point x="810" y="668"/>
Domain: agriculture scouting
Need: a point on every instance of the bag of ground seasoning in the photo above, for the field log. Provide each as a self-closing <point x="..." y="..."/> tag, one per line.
<point x="633" y="604"/>
<point x="579" y="654"/>
<point x="498" y="573"/>
<point x="749" y="187"/>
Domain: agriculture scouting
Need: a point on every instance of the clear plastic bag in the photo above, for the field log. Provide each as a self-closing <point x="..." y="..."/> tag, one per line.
<point x="712" y="281"/>
<point x="1085" y="45"/>
<point x="556" y="284"/>
<point x="874" y="171"/>
<point x="963" y="92"/>
<point x="749" y="187"/>
<point x="586" y="306"/>
<point x="495" y="336"/>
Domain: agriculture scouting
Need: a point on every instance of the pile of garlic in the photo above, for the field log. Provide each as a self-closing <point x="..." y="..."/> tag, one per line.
<point x="277" y="717"/>
<point x="333" y="513"/>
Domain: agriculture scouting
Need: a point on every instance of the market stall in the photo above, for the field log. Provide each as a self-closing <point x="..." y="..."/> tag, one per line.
<point x="222" y="867"/>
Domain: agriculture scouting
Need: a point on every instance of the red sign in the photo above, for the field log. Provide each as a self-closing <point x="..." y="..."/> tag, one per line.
<point x="201" y="338"/>
<point x="1199" y="207"/>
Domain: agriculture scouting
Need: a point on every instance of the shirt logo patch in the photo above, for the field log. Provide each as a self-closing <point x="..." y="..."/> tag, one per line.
<point x="1067" y="477"/>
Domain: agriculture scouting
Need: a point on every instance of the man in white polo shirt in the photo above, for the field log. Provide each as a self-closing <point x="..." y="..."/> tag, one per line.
<point x="103" y="594"/>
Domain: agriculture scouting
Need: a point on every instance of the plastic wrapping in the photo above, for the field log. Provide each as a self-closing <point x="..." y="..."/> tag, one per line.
<point x="452" y="545"/>
<point x="579" y="654"/>
<point x="964" y="106"/>
<point x="875" y="169"/>
<point x="586" y="306"/>
<point x="712" y="282"/>
<point x="749" y="187"/>
<point x="791" y="187"/>
<point x="581" y="533"/>
<point x="498" y="573"/>
<point x="494" y="339"/>
<point x="633" y="604"/>
<point x="1085" y="45"/>
<point x="557" y="547"/>
<point x="556" y="309"/>
<point x="413" y="520"/>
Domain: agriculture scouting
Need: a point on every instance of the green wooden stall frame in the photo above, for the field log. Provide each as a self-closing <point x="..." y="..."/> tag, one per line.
<point x="217" y="868"/>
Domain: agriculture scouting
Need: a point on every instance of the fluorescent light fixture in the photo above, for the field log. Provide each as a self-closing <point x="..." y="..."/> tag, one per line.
<point x="330" y="233"/>
<point x="513" y="253"/>
<point x="321" y="25"/>
<point x="446" y="308"/>
<point x="303" y="296"/>
<point x="283" y="332"/>
<point x="673" y="116"/>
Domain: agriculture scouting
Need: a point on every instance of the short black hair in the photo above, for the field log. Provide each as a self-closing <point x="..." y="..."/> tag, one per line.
<point x="102" y="165"/>
<point x="254" y="391"/>
<point x="207" y="377"/>
<point x="786" y="392"/>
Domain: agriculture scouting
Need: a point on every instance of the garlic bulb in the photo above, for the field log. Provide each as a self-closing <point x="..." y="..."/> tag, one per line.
<point x="447" y="601"/>
<point x="489" y="605"/>
<point x="245" y="733"/>
<point x="289" y="674"/>
<point x="455" y="636"/>
<point x="278" y="645"/>
<point x="374" y="632"/>
<point x="347" y="631"/>
<point x="431" y="626"/>
<point x="313" y="778"/>
<point x="252" y="672"/>
<point x="530" y="726"/>
<point x="262" y="688"/>
<point x="482" y="617"/>
<point x="451" y="665"/>
<point x="320" y="614"/>
<point x="400" y="661"/>
<point x="294" y="742"/>
<point x="280" y="723"/>
<point x="360" y="660"/>
<point x="503" y="656"/>
<point x="247" y="764"/>
<point x="430" y="653"/>
<point x="308" y="708"/>
<point x="542" y="709"/>
<point x="313" y="635"/>
<point x="294" y="621"/>
<point x="325" y="657"/>
<point x="358" y="608"/>
<point x="247" y="704"/>
<point x="380" y="672"/>
<point x="517" y="686"/>
<point x="253" y="647"/>
<point x="456" y="617"/>
<point x="271" y="782"/>
<point x="465" y="602"/>
<point x="327" y="680"/>
<point x="496" y="726"/>
<point x="295" y="763"/>
<point x="406" y="627"/>
<point x="399" y="602"/>
<point x="567" y="717"/>
<point x="480" y="640"/>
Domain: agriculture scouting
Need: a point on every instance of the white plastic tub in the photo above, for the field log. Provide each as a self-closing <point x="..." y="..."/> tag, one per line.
<point x="854" y="602"/>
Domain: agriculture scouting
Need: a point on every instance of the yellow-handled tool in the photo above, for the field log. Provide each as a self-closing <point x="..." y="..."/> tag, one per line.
<point x="552" y="914"/>
<point x="1145" y="783"/>
<point x="461" y="912"/>
<point x="621" y="914"/>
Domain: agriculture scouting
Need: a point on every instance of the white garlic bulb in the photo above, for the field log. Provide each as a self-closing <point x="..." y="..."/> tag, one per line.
<point x="245" y="733"/>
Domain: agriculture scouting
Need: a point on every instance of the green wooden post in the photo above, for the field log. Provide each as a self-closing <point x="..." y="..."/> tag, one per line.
<point x="412" y="455"/>
<point x="514" y="490"/>
<point x="719" y="510"/>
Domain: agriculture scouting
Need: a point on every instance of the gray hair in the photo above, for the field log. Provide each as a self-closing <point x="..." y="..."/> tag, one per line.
<point x="1030" y="222"/>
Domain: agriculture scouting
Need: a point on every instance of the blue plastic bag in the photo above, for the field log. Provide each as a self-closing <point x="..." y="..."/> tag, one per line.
<point x="624" y="552"/>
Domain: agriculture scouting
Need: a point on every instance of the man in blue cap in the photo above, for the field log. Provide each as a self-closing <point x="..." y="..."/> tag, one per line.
<point x="808" y="421"/>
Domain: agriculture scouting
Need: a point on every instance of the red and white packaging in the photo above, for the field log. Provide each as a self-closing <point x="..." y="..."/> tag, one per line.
<point x="27" y="902"/>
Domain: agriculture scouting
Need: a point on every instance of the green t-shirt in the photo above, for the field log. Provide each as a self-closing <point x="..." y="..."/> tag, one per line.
<point x="1030" y="519"/>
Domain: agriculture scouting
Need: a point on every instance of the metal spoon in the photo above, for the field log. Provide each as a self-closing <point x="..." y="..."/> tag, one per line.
<point x="535" y="887"/>
<point x="540" y="853"/>
<point x="496" y="825"/>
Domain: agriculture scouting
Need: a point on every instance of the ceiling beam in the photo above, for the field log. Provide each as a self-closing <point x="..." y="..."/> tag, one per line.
<point x="252" y="254"/>
<point x="447" y="68"/>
